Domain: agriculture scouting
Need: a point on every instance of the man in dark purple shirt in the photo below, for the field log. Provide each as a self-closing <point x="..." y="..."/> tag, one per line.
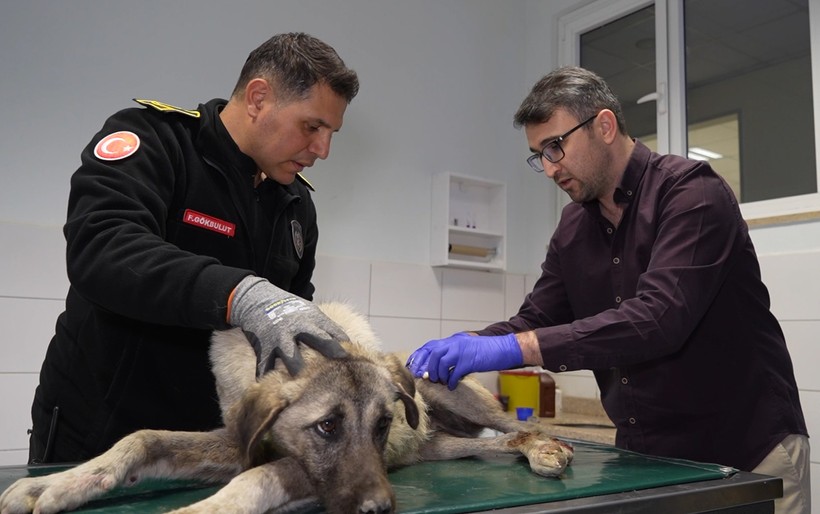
<point x="651" y="281"/>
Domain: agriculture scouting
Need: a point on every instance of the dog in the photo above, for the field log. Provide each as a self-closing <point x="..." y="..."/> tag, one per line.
<point x="330" y="434"/>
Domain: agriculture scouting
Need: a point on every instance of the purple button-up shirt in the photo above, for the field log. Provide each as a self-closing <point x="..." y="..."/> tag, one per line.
<point x="669" y="311"/>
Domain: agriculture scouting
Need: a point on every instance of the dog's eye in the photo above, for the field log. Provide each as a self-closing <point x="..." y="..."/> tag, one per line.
<point x="384" y="423"/>
<point x="326" y="427"/>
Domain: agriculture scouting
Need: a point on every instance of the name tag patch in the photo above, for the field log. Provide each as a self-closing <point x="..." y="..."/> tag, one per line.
<point x="198" y="219"/>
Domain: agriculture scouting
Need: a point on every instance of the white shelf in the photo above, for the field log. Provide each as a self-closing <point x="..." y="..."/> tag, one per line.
<point x="469" y="222"/>
<point x="465" y="230"/>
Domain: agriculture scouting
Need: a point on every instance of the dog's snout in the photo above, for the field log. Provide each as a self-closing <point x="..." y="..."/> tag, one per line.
<point x="377" y="497"/>
<point x="377" y="506"/>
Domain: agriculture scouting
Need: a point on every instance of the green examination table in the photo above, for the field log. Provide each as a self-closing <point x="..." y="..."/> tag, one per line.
<point x="601" y="479"/>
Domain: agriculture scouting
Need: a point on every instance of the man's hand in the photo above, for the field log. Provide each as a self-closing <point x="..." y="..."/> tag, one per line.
<point x="451" y="358"/>
<point x="274" y="319"/>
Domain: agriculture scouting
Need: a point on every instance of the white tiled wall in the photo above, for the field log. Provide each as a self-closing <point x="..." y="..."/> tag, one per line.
<point x="32" y="288"/>
<point x="18" y="390"/>
<point x="350" y="279"/>
<point x="472" y="296"/>
<point x="402" y="290"/>
<point x="794" y="285"/>
<point x="407" y="304"/>
<point x="32" y="261"/>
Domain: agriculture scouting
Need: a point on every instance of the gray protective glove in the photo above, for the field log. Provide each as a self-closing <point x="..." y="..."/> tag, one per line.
<point x="273" y="320"/>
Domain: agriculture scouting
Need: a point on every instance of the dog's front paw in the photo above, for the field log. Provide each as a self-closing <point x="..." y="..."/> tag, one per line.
<point x="549" y="457"/>
<point x="19" y="498"/>
<point x="54" y="493"/>
<point x="22" y="496"/>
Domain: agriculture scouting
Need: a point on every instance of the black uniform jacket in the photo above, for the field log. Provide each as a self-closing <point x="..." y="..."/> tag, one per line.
<point x="156" y="242"/>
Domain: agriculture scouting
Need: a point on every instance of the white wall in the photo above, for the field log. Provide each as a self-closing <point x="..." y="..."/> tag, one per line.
<point x="440" y="82"/>
<point x="33" y="286"/>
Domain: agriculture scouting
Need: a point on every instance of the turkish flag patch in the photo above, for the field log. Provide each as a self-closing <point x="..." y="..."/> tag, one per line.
<point x="116" y="146"/>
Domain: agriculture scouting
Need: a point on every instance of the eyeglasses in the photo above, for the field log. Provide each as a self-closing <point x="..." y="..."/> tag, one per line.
<point x="552" y="151"/>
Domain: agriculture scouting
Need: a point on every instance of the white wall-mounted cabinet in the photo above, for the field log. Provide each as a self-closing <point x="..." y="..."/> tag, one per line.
<point x="469" y="222"/>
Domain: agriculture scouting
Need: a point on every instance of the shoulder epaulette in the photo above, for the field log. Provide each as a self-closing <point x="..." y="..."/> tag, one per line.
<point x="164" y="107"/>
<point x="306" y="182"/>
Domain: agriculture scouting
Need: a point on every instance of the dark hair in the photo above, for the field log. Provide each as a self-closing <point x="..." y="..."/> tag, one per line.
<point x="579" y="91"/>
<point x="294" y="63"/>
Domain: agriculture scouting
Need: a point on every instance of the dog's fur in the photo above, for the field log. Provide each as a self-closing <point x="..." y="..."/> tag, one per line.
<point x="331" y="432"/>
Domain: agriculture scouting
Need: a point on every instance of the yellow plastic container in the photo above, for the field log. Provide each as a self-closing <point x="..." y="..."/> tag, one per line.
<point x="528" y="389"/>
<point x="520" y="388"/>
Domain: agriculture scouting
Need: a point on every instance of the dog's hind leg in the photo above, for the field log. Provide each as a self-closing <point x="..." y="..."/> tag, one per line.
<point x="208" y="456"/>
<point x="258" y="490"/>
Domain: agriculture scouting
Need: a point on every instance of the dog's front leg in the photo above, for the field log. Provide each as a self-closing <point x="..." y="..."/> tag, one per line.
<point x="547" y="456"/>
<point x="147" y="453"/>
<point x="257" y="490"/>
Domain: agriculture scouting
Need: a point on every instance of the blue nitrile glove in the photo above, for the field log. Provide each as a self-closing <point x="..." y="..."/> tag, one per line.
<point x="460" y="354"/>
<point x="274" y="319"/>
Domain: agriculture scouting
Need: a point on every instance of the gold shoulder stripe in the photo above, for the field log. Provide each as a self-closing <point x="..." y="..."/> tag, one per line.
<point x="305" y="181"/>
<point x="164" y="107"/>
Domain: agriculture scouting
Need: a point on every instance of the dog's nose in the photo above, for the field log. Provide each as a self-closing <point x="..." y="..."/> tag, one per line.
<point x="375" y="506"/>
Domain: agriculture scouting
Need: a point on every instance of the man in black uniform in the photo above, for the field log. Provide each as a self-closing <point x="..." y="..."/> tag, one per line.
<point x="181" y="222"/>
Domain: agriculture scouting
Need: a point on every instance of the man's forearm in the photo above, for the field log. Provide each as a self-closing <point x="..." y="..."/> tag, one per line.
<point x="530" y="348"/>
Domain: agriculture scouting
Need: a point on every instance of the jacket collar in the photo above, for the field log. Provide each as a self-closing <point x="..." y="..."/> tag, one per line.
<point x="216" y="144"/>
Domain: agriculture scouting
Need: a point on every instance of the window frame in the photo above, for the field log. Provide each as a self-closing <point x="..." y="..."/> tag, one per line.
<point x="671" y="87"/>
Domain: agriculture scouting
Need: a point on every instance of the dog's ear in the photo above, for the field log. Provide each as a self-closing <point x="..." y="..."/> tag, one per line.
<point x="406" y="388"/>
<point x="252" y="417"/>
<point x="411" y="409"/>
<point x="401" y="375"/>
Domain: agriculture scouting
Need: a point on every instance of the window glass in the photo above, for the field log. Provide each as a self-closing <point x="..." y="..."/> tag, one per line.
<point x="749" y="94"/>
<point x="623" y="53"/>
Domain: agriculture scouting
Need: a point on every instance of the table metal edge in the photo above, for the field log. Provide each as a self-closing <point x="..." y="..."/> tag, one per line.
<point x="741" y="488"/>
